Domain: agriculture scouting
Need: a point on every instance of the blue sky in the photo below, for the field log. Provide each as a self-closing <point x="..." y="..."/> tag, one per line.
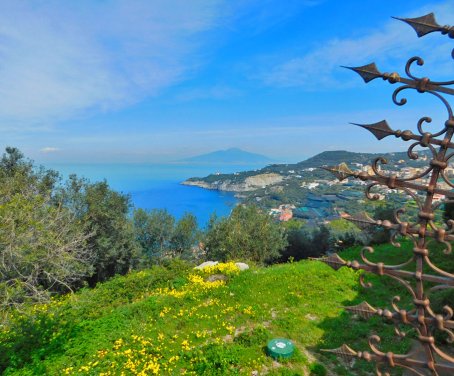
<point x="153" y="81"/>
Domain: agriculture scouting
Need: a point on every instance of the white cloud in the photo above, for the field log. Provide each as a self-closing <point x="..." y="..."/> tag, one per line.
<point x="58" y="59"/>
<point x="49" y="149"/>
<point x="394" y="43"/>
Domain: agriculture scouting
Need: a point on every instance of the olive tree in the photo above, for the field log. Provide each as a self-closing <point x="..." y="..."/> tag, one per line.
<point x="42" y="249"/>
<point x="247" y="234"/>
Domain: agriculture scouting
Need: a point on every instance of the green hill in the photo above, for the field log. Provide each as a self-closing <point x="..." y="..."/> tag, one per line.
<point x="167" y="320"/>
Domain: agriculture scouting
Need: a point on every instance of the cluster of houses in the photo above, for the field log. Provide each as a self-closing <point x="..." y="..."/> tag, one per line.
<point x="323" y="207"/>
<point x="284" y="212"/>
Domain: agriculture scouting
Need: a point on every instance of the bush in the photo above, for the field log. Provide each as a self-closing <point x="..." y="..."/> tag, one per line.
<point x="247" y="234"/>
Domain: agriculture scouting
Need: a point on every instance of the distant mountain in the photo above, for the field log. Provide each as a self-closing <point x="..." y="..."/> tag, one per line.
<point x="307" y="170"/>
<point x="229" y="156"/>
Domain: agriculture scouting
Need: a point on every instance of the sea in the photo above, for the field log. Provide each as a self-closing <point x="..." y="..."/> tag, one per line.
<point x="158" y="186"/>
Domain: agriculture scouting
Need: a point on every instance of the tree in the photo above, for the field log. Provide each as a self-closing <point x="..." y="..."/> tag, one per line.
<point x="344" y="234"/>
<point x="153" y="231"/>
<point x="247" y="233"/>
<point x="185" y="236"/>
<point x="376" y="234"/>
<point x="42" y="249"/>
<point x="104" y="216"/>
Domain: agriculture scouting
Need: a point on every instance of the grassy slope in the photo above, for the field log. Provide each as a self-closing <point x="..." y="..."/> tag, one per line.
<point x="161" y="321"/>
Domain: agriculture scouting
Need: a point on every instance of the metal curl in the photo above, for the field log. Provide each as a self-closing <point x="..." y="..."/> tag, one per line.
<point x="441" y="353"/>
<point x="373" y="341"/>
<point x="386" y="267"/>
<point x="365" y="285"/>
<point x="399" y="332"/>
<point x="375" y="166"/>
<point x="394" y="301"/>
<point x="450" y="334"/>
<point x="439" y="287"/>
<point x="374" y="196"/>
<point x="396" y="92"/>
<point x="432" y="225"/>
<point x="404" y="100"/>
<point x="444" y="101"/>
<point x="436" y="269"/>
<point x="443" y="172"/>
<point x="404" y="283"/>
<point x="427" y="119"/>
<point x="364" y="258"/>
<point x="450" y="226"/>
<point x="447" y="249"/>
<point x="393" y="239"/>
<point x="445" y="178"/>
<point x="397" y="213"/>
<point x="449" y="313"/>
<point x="447" y="316"/>
<point x="414" y="59"/>
<point x="414" y="154"/>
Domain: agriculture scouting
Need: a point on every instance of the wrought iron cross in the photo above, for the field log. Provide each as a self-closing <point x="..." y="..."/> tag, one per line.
<point x="421" y="317"/>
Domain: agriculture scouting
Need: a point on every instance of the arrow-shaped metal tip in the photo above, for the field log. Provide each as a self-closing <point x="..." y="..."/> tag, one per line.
<point x="333" y="260"/>
<point x="362" y="220"/>
<point x="341" y="171"/>
<point x="367" y="72"/>
<point x="379" y="130"/>
<point x="422" y="25"/>
<point x="363" y="310"/>
<point x="345" y="352"/>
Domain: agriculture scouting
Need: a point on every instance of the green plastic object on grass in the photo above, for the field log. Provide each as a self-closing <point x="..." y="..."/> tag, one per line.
<point x="280" y="348"/>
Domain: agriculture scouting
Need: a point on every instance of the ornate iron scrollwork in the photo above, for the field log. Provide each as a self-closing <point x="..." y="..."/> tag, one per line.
<point x="427" y="276"/>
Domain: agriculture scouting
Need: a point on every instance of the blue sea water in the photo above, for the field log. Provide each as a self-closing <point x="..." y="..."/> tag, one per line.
<point x="158" y="186"/>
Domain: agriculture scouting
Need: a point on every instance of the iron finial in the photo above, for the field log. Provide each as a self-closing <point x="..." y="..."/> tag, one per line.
<point x="379" y="130"/>
<point x="367" y="72"/>
<point x="422" y="25"/>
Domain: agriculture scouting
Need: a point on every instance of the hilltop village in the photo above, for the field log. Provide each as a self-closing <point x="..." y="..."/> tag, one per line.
<point x="306" y="191"/>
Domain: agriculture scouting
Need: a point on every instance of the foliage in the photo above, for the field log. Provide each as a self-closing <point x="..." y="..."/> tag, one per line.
<point x="153" y="230"/>
<point x="247" y="233"/>
<point x="43" y="250"/>
<point x="103" y="215"/>
<point x="307" y="242"/>
<point x="344" y="234"/>
<point x="185" y="236"/>
<point x="166" y="320"/>
<point x="159" y="235"/>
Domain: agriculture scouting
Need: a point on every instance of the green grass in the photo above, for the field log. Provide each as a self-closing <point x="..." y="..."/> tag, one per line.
<point x="166" y="321"/>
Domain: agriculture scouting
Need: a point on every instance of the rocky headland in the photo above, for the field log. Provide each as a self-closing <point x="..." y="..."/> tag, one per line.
<point x="250" y="183"/>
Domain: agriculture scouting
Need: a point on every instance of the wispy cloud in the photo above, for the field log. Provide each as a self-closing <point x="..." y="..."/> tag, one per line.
<point x="49" y="149"/>
<point x="319" y="67"/>
<point x="59" y="59"/>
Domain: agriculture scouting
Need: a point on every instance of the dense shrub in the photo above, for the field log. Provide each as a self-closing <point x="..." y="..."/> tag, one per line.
<point x="247" y="234"/>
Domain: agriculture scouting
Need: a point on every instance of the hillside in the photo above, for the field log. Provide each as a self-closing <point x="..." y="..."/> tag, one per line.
<point x="314" y="192"/>
<point x="326" y="158"/>
<point x="229" y="156"/>
<point x="167" y="320"/>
